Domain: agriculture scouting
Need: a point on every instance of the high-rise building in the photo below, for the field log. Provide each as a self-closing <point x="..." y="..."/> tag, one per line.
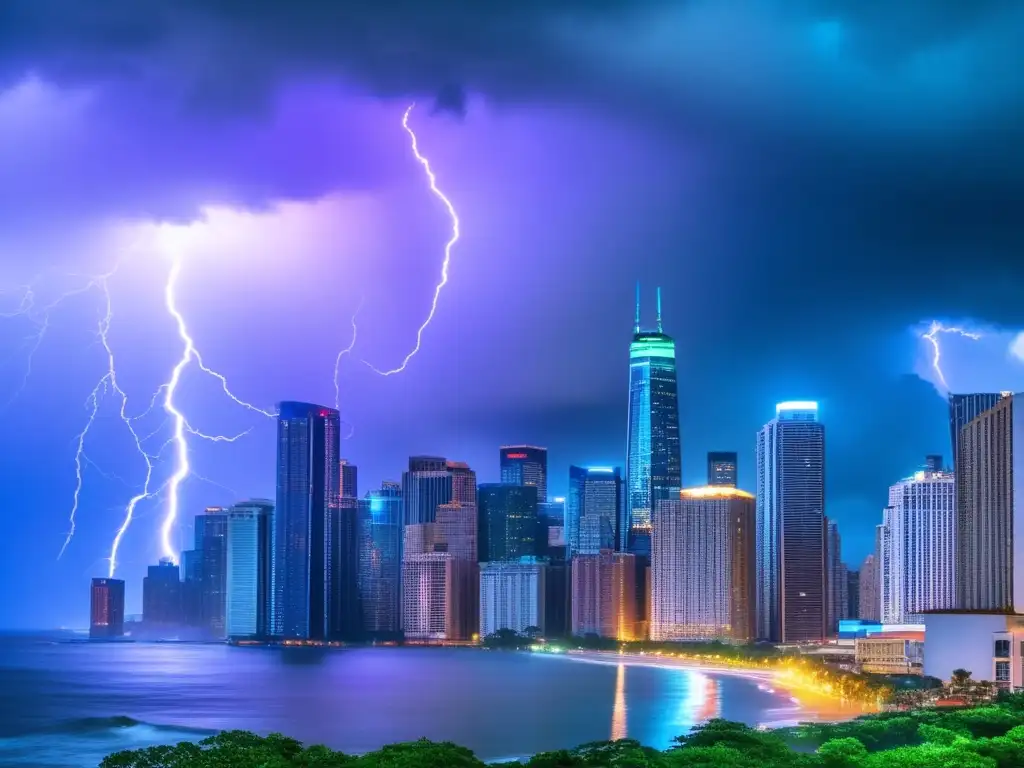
<point x="512" y="596"/>
<point x="430" y="482"/>
<point x="161" y="595"/>
<point x="593" y="509"/>
<point x="838" y="596"/>
<point x="791" y="595"/>
<point x="703" y="566"/>
<point x="348" y="474"/>
<point x="653" y="463"/>
<point x="211" y="532"/>
<point x="435" y="601"/>
<point x="990" y="509"/>
<point x="722" y="468"/>
<point x="852" y="593"/>
<point x="307" y="490"/>
<point x="380" y="561"/>
<point x="919" y="547"/>
<point x="604" y="595"/>
<point x="345" y="619"/>
<point x="553" y="509"/>
<point x="249" y="558"/>
<point x="106" y="609"/>
<point x="963" y="409"/>
<point x="869" y="594"/>
<point x="509" y="527"/>
<point x="525" y="465"/>
<point x="191" y="567"/>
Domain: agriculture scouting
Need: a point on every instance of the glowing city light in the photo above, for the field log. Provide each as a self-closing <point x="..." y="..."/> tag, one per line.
<point x="432" y="179"/>
<point x="796" y="405"/>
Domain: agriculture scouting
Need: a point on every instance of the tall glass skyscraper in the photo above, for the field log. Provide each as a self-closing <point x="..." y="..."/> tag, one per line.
<point x="526" y="465"/>
<point x="653" y="464"/>
<point x="791" y="590"/>
<point x="425" y="486"/>
<point x="380" y="561"/>
<point x="509" y="528"/>
<point x="307" y="490"/>
<point x="593" y="517"/>
<point x="247" y="614"/>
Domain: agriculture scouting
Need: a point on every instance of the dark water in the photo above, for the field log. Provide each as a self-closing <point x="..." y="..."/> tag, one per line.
<point x="68" y="704"/>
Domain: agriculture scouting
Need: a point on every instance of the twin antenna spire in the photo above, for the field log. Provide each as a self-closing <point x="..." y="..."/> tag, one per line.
<point x="636" y="324"/>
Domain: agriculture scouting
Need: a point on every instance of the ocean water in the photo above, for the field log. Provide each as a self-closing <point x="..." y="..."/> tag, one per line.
<point x="67" y="704"/>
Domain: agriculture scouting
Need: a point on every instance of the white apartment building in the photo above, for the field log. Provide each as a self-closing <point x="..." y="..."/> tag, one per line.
<point x="512" y="596"/>
<point x="918" y="547"/>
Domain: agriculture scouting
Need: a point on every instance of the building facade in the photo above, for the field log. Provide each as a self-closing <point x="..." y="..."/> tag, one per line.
<point x="919" y="547"/>
<point x="791" y="595"/>
<point x="869" y="598"/>
<point x="509" y="527"/>
<point x="990" y="509"/>
<point x="512" y="596"/>
<point x="307" y="491"/>
<point x="963" y="409"/>
<point x="593" y="509"/>
<point x="249" y="558"/>
<point x="380" y="561"/>
<point x="106" y="609"/>
<point x="435" y="599"/>
<point x="838" y="597"/>
<point x="653" y="460"/>
<point x="425" y="485"/>
<point x="722" y="468"/>
<point x="161" y="595"/>
<point x="604" y="595"/>
<point x="525" y="465"/>
<point x="211" y="542"/>
<point x="703" y="561"/>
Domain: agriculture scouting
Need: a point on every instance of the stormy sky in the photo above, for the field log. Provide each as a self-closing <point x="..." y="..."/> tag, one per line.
<point x="811" y="183"/>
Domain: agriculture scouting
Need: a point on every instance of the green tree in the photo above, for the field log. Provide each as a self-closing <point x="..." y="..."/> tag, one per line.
<point x="842" y="753"/>
<point x="420" y="754"/>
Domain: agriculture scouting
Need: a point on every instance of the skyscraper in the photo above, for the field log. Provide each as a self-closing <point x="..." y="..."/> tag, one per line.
<point x="512" y="595"/>
<point x="703" y="566"/>
<point x="425" y="486"/>
<point x="653" y="464"/>
<point x="919" y="547"/>
<point x="525" y="465"/>
<point x="106" y="609"/>
<point x="345" y="620"/>
<point x="436" y="604"/>
<point x="348" y="486"/>
<point x="962" y="410"/>
<point x="722" y="468"/>
<point x="593" y="509"/>
<point x="307" y="490"/>
<point x="380" y="561"/>
<point x="990" y="509"/>
<point x="604" y="595"/>
<point x="161" y="595"/>
<point x="248" y="584"/>
<point x="509" y="528"/>
<point x="835" y="574"/>
<point x="792" y="602"/>
<point x="211" y="544"/>
<point x="869" y="594"/>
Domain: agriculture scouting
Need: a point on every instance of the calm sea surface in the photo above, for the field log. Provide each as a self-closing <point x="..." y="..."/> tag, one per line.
<point x="68" y="704"/>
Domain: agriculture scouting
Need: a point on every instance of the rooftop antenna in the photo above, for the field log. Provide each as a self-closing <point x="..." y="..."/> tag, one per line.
<point x="636" y="325"/>
<point x="659" y="310"/>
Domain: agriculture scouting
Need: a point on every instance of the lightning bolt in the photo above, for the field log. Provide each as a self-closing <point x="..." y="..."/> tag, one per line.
<point x="932" y="337"/>
<point x="346" y="351"/>
<point x="432" y="179"/>
<point x="180" y="426"/>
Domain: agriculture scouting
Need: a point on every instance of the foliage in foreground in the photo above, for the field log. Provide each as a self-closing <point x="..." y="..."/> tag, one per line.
<point x="979" y="737"/>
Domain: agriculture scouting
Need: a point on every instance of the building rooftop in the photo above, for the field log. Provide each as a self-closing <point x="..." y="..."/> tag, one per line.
<point x="715" y="492"/>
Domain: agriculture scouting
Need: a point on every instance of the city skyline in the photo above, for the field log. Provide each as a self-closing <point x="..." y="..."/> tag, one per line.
<point x="289" y="229"/>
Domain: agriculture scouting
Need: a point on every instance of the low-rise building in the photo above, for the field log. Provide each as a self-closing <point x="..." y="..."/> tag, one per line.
<point x="891" y="653"/>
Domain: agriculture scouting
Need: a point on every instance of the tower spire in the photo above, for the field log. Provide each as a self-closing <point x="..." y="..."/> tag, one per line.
<point x="636" y="325"/>
<point x="659" y="309"/>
